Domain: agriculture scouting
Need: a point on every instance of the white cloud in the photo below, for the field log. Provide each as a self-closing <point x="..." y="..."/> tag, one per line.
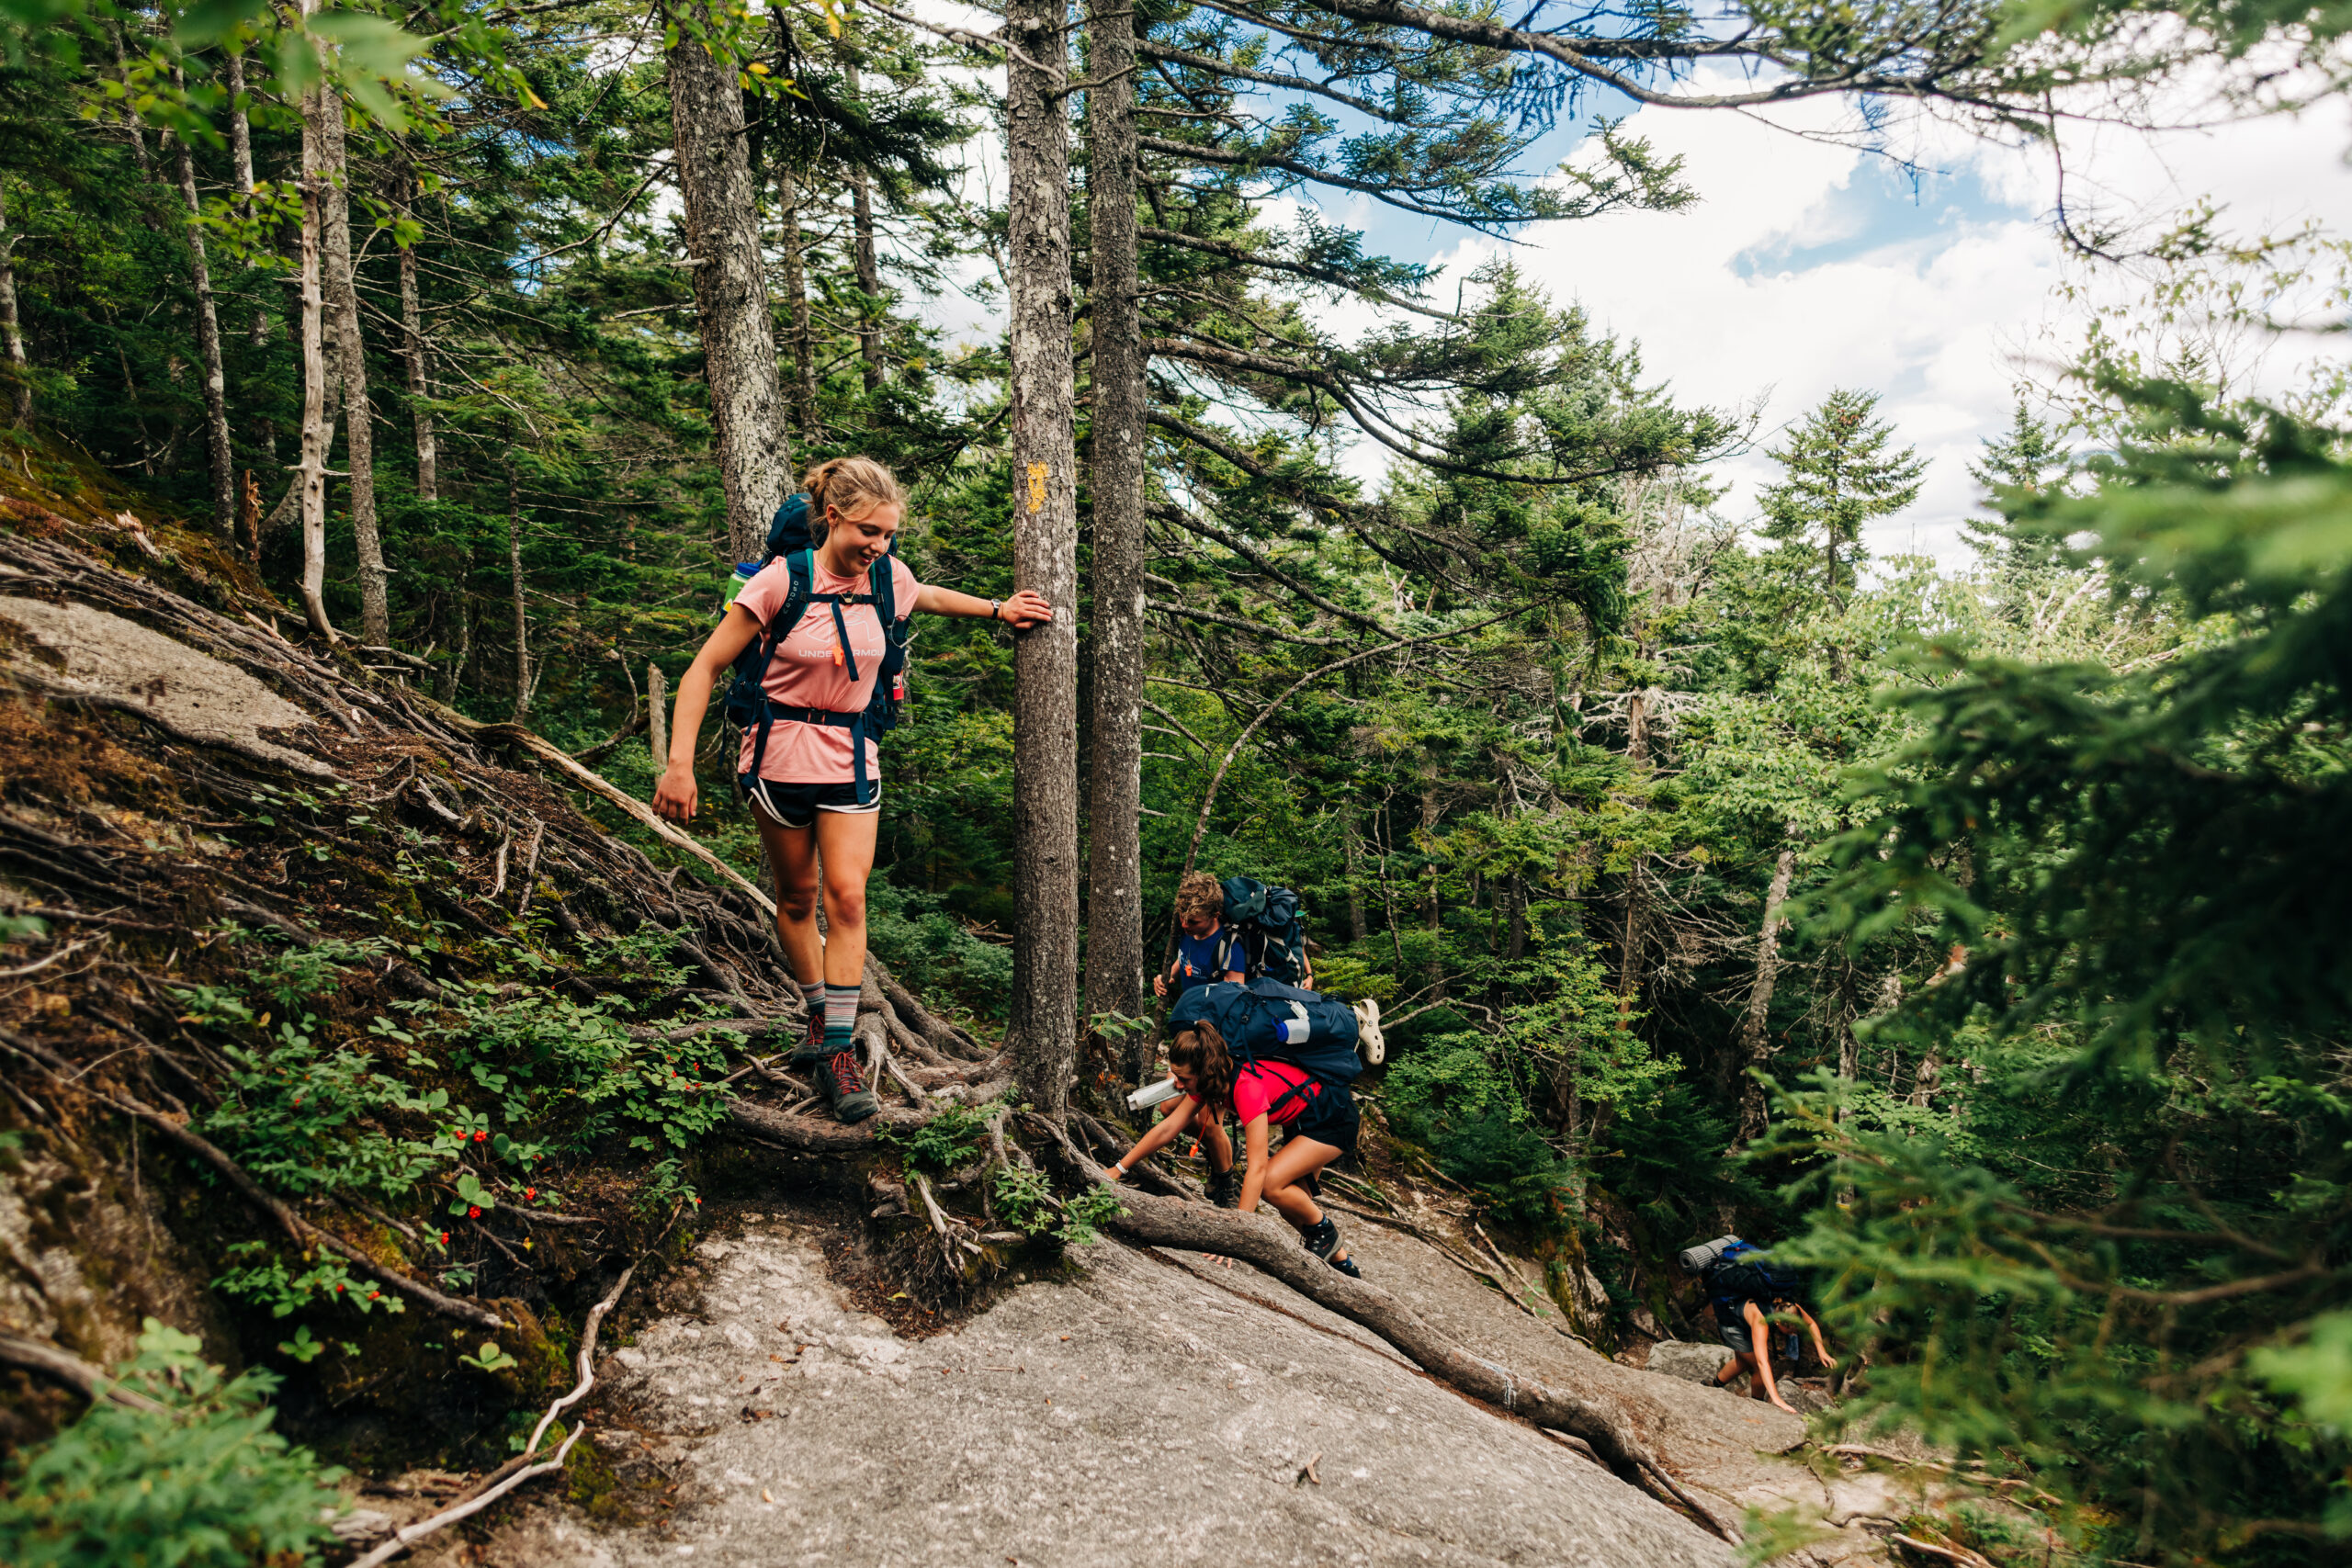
<point x="1806" y="267"/>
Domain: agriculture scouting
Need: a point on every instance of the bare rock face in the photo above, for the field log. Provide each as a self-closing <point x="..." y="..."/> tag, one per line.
<point x="79" y="651"/>
<point x="1691" y="1363"/>
<point x="1149" y="1410"/>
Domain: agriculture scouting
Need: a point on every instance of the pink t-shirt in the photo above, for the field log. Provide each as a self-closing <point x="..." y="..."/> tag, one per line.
<point x="803" y="673"/>
<point x="1260" y="1084"/>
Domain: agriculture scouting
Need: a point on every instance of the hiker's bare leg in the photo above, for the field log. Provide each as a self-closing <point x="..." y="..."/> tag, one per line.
<point x="845" y="844"/>
<point x="1298" y="1158"/>
<point x="793" y="852"/>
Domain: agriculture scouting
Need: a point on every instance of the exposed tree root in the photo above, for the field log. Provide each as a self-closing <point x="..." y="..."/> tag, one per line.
<point x="72" y="1370"/>
<point x="1273" y="1248"/>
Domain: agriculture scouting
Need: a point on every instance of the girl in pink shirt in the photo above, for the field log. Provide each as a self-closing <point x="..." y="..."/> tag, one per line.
<point x="803" y="781"/>
<point x="1319" y="1121"/>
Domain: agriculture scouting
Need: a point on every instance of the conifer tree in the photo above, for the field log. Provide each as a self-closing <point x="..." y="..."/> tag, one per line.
<point x="2020" y="468"/>
<point x="1841" y="471"/>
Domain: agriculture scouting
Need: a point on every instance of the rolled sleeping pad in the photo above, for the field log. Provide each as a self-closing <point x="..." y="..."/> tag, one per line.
<point x="1694" y="1259"/>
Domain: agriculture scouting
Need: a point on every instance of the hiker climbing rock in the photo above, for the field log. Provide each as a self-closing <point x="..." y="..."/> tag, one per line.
<point x="812" y="694"/>
<point x="1753" y="1298"/>
<point x="1272" y="1056"/>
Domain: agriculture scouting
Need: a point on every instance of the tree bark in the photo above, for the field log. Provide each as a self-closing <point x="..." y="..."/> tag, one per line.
<point x="12" y="332"/>
<point x="224" y="460"/>
<point x="1114" y="961"/>
<point x="863" y="256"/>
<point x="351" y="356"/>
<point x="420" y="387"/>
<point x="730" y="288"/>
<point x="522" y="606"/>
<point x="1753" y="1047"/>
<point x="1351" y="840"/>
<point x="658" y="701"/>
<point x="795" y="301"/>
<point x="455" y="680"/>
<point x="1045" y="558"/>
<point x="240" y="157"/>
<point x="317" y="433"/>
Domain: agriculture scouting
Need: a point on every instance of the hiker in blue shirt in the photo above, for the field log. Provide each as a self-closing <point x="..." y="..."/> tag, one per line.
<point x="1203" y="945"/>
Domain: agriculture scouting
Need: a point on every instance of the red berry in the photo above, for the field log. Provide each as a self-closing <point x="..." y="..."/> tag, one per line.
<point x="480" y="1136"/>
<point x="338" y="1290"/>
<point x="445" y="1238"/>
<point x="373" y="1294"/>
<point x="530" y="1193"/>
<point x="473" y="1210"/>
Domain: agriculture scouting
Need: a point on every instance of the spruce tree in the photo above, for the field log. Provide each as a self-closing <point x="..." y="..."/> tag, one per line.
<point x="1841" y="471"/>
<point x="2025" y="463"/>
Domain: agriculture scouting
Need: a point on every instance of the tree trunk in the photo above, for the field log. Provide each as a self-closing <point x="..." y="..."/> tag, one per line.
<point x="1114" y="960"/>
<point x="1432" y="911"/>
<point x="12" y="332"/>
<point x="1045" y="558"/>
<point x="795" y="301"/>
<point x="351" y="354"/>
<point x="657" y="700"/>
<point x="730" y="288"/>
<point x="241" y="156"/>
<point x="1351" y="839"/>
<point x="522" y="606"/>
<point x="317" y="432"/>
<point x="1753" y="1044"/>
<point x="420" y="388"/>
<point x="865" y="258"/>
<point x="208" y="346"/>
<point x="456" y="680"/>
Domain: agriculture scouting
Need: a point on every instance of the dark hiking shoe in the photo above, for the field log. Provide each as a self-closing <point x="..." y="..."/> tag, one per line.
<point x="1225" y="1189"/>
<point x="844" y="1087"/>
<point x="1322" y="1239"/>
<point x="811" y="1050"/>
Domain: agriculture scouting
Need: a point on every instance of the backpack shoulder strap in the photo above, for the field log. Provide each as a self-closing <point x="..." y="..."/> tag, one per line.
<point x="800" y="566"/>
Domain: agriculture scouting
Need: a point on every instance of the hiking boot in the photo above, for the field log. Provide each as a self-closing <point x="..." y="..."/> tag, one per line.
<point x="1322" y="1239"/>
<point x="1225" y="1189"/>
<point x="844" y="1087"/>
<point x="811" y="1050"/>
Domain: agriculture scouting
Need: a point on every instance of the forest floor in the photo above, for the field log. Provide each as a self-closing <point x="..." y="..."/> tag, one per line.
<point x="193" y="810"/>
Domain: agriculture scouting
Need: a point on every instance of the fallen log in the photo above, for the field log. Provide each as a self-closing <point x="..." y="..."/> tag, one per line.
<point x="1272" y="1248"/>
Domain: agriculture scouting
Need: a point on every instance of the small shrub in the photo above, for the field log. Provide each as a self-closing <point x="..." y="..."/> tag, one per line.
<point x="202" y="1483"/>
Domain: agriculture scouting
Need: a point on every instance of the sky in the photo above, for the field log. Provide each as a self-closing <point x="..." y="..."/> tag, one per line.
<point x="1807" y="266"/>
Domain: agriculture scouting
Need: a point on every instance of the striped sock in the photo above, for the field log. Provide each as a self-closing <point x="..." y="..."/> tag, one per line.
<point x="841" y="1014"/>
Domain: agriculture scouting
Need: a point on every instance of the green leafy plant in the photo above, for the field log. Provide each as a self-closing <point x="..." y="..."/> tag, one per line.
<point x="1083" y="1215"/>
<point x="947" y="1140"/>
<point x="493" y="1357"/>
<point x="305" y="1119"/>
<point x="269" y="1283"/>
<point x="202" y="1482"/>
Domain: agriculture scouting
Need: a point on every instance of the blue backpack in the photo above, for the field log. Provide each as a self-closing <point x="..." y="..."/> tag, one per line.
<point x="1741" y="1272"/>
<point x="1267" y="1021"/>
<point x="747" y="703"/>
<point x="1267" y="936"/>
